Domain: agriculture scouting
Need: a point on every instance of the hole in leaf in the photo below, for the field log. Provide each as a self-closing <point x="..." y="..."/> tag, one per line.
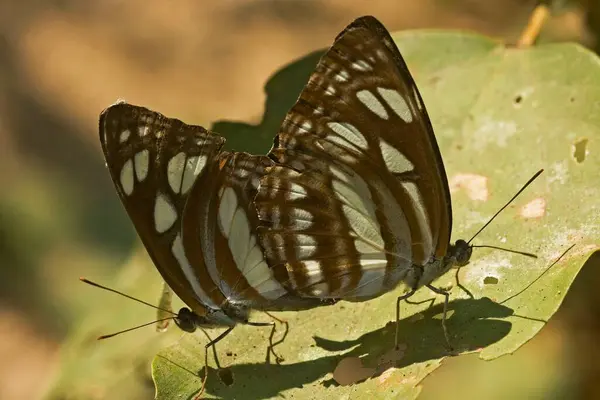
<point x="490" y="280"/>
<point x="580" y="150"/>
<point x="439" y="316"/>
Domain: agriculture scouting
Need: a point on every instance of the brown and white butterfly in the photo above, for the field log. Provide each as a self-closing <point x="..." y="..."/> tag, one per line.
<point x="190" y="203"/>
<point x="359" y="201"/>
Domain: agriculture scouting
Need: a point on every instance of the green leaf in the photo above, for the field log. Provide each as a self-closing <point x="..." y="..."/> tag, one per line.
<point x="499" y="114"/>
<point x="116" y="367"/>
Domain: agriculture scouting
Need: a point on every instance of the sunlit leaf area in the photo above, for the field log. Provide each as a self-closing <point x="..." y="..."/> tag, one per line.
<point x="500" y="113"/>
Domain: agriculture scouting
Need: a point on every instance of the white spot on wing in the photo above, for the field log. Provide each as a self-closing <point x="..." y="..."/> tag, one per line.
<point x="365" y="227"/>
<point x="239" y="236"/>
<point x="362" y="65"/>
<point x="227" y="208"/>
<point x="124" y="136"/>
<point x="175" y="171"/>
<point x="193" y="167"/>
<point x="296" y="192"/>
<point x="342" y="76"/>
<point x="359" y="209"/>
<point x="300" y="219"/>
<point x="306" y="125"/>
<point x="313" y="272"/>
<point x="184" y="264"/>
<point x="396" y="103"/>
<point x="165" y="214"/>
<point x="418" y="99"/>
<point x="247" y="255"/>
<point x="421" y="214"/>
<point x="126" y="177"/>
<point x="365" y="248"/>
<point x="141" y="160"/>
<point x="394" y="160"/>
<point x="371" y="102"/>
<point x="143" y="130"/>
<point x="348" y="132"/>
<point x="306" y="246"/>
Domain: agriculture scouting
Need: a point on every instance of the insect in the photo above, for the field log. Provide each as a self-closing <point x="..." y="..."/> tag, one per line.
<point x="351" y="201"/>
<point x="358" y="201"/>
<point x="191" y="205"/>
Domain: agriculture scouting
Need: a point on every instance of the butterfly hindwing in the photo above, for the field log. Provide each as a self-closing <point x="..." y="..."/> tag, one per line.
<point x="219" y="233"/>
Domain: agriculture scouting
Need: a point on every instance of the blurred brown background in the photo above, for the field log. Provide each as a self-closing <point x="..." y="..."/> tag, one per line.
<point x="63" y="61"/>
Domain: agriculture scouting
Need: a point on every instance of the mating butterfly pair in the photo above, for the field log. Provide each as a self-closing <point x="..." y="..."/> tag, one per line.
<point x="351" y="201"/>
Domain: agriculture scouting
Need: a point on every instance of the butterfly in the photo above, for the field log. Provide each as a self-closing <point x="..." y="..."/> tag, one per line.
<point x="190" y="203"/>
<point x="358" y="201"/>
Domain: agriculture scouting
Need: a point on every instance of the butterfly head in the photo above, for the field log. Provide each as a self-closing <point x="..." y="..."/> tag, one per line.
<point x="461" y="251"/>
<point x="188" y="321"/>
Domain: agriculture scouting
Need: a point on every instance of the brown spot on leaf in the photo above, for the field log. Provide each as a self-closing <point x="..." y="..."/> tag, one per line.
<point x="474" y="185"/>
<point x="536" y="208"/>
<point x="350" y="370"/>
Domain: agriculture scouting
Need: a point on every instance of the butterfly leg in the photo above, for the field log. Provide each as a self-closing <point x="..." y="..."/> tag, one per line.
<point x="212" y="344"/>
<point x="398" y="300"/>
<point x="416" y="303"/>
<point x="278" y="358"/>
<point x="270" y="350"/>
<point x="446" y="298"/>
<point x="460" y="286"/>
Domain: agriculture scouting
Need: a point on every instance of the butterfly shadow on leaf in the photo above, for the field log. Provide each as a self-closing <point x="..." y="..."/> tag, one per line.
<point x="474" y="324"/>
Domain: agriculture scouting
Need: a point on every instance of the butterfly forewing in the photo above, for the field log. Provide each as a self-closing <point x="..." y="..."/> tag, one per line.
<point x="154" y="162"/>
<point x="361" y="124"/>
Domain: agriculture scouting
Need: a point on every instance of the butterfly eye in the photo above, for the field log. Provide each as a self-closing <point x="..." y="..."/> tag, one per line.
<point x="462" y="252"/>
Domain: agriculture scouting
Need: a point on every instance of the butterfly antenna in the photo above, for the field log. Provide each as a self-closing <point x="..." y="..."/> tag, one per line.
<point x="523" y="253"/>
<point x="84" y="280"/>
<point x="507" y="204"/>
<point x="539" y="277"/>
<point x="134" y="328"/>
